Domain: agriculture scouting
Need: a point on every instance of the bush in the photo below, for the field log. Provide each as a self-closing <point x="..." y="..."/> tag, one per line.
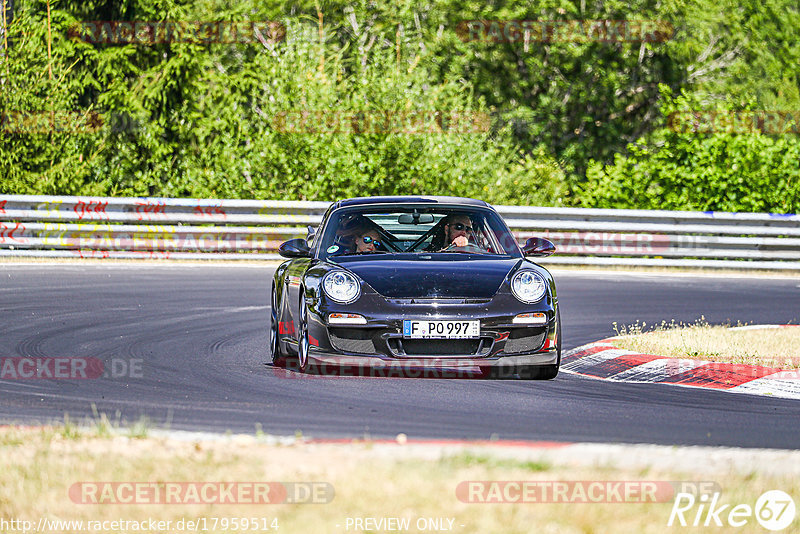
<point x="683" y="170"/>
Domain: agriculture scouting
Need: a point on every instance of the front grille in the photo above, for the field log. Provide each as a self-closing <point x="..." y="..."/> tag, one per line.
<point x="525" y="340"/>
<point x="427" y="301"/>
<point x="441" y="347"/>
<point x="356" y="340"/>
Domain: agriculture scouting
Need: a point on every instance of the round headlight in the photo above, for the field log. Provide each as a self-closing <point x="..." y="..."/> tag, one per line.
<point x="528" y="286"/>
<point x="341" y="287"/>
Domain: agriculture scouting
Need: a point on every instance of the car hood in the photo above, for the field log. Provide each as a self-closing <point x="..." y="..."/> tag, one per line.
<point x="447" y="277"/>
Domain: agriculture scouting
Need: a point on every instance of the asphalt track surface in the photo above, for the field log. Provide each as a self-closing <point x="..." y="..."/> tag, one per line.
<point x="200" y="335"/>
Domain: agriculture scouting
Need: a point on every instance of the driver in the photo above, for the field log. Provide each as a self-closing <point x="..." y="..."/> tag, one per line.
<point x="456" y="230"/>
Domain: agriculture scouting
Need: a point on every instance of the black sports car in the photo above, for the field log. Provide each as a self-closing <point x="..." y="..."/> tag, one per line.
<point x="421" y="284"/>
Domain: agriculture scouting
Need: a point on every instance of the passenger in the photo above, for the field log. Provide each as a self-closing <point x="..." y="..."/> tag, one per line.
<point x="357" y="235"/>
<point x="368" y="241"/>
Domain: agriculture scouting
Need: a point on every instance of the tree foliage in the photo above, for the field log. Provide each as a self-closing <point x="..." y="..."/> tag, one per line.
<point x="573" y="122"/>
<point x="683" y="169"/>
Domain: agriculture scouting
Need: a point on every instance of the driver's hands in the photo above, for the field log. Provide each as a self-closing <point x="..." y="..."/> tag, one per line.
<point x="460" y="241"/>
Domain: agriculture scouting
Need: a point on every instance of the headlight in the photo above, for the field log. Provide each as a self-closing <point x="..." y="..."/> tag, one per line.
<point x="528" y="286"/>
<point x="341" y="287"/>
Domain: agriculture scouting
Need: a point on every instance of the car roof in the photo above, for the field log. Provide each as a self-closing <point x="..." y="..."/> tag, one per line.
<point x="411" y="200"/>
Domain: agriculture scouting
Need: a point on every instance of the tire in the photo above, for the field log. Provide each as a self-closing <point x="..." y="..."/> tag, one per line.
<point x="278" y="357"/>
<point x="302" y="338"/>
<point x="546" y="372"/>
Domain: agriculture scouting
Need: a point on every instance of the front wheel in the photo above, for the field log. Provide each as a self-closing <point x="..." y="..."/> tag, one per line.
<point x="278" y="357"/>
<point x="302" y="338"/>
<point x="546" y="372"/>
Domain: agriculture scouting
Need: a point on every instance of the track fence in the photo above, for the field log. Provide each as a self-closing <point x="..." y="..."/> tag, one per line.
<point x="96" y="227"/>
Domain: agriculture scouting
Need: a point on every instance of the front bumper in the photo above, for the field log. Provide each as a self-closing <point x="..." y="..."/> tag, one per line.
<point x="548" y="357"/>
<point x="326" y="363"/>
<point x="381" y="338"/>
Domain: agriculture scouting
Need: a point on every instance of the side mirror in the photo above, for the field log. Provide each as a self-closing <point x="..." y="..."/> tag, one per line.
<point x="295" y="248"/>
<point x="538" y="246"/>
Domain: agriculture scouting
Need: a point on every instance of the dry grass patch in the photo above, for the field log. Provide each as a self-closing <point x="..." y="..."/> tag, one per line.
<point x="395" y="481"/>
<point x="768" y="347"/>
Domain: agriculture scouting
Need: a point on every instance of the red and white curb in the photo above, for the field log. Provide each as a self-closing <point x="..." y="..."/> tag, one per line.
<point x="605" y="361"/>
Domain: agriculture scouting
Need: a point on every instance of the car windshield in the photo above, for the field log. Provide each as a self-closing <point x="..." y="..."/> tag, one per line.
<point x="416" y="230"/>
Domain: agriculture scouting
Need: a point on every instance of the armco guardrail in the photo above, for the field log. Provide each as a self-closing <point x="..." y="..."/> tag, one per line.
<point x="47" y="226"/>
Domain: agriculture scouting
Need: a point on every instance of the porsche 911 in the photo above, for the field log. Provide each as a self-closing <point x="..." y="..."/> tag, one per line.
<point x="415" y="283"/>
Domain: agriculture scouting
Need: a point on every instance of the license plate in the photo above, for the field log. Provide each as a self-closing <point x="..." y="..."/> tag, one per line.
<point x="441" y="329"/>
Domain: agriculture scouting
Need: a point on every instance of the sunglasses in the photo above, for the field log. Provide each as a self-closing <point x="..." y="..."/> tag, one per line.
<point x="367" y="240"/>
<point x="458" y="227"/>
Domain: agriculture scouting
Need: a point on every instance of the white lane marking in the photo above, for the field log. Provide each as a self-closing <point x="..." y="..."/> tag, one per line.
<point x="656" y="370"/>
<point x="593" y="359"/>
<point x="582" y="348"/>
<point x="773" y="387"/>
<point x="20" y="384"/>
<point x="653" y="371"/>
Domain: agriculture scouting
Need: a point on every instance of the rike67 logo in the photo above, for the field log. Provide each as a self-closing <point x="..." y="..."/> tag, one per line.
<point x="774" y="510"/>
